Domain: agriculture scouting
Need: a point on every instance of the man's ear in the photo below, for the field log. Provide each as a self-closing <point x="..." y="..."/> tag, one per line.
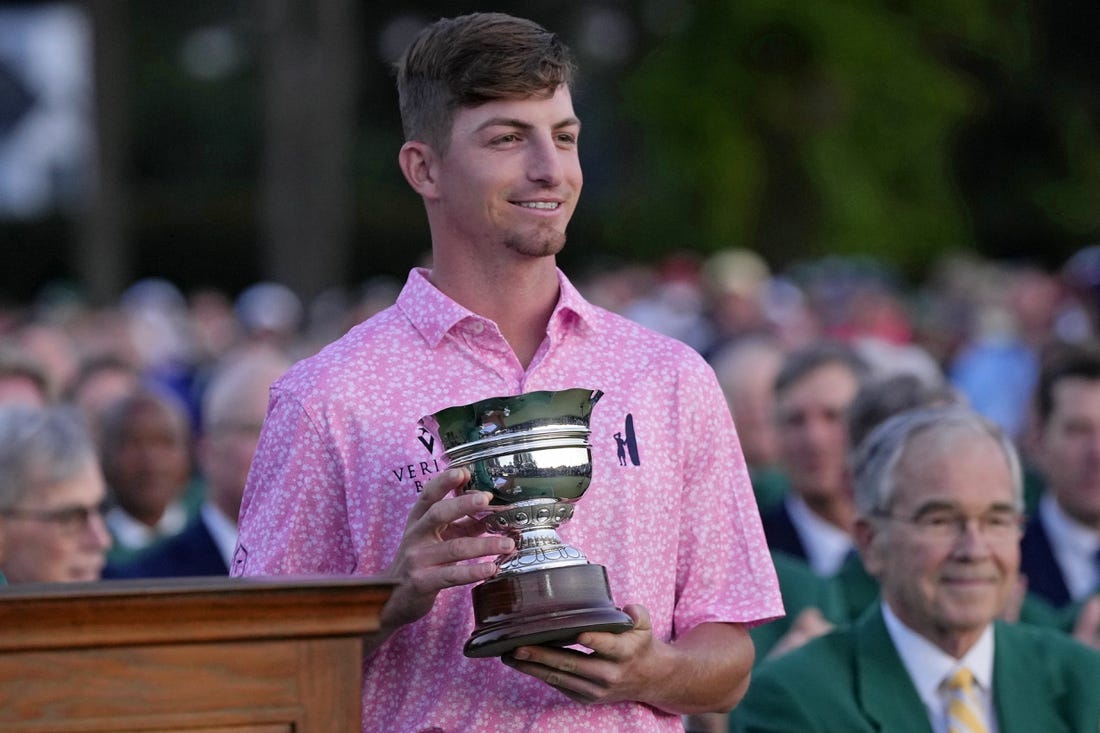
<point x="418" y="164"/>
<point x="864" y="533"/>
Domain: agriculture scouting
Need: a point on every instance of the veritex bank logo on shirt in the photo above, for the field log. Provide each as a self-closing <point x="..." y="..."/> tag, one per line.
<point x="418" y="472"/>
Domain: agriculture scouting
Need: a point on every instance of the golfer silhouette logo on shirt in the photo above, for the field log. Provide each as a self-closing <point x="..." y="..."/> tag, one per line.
<point x="627" y="443"/>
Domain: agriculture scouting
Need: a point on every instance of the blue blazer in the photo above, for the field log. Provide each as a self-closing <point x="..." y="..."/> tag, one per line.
<point x="1044" y="575"/>
<point x="780" y="532"/>
<point x="852" y="680"/>
<point x="192" y="552"/>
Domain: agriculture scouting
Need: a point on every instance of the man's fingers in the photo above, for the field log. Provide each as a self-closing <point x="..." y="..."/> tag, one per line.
<point x="444" y="483"/>
<point x="434" y="578"/>
<point x="438" y="488"/>
<point x="618" y="646"/>
<point x="461" y="549"/>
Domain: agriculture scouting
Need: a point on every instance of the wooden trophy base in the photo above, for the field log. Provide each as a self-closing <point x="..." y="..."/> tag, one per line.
<point x="542" y="607"/>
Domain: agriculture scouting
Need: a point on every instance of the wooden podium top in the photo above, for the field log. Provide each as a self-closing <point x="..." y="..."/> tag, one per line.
<point x="116" y="613"/>
<point x="186" y="655"/>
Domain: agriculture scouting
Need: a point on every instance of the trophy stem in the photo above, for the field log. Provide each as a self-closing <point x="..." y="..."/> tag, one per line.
<point x="533" y="525"/>
<point x="540" y="549"/>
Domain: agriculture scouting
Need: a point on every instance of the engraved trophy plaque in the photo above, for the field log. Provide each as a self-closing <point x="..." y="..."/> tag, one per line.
<point x="531" y="451"/>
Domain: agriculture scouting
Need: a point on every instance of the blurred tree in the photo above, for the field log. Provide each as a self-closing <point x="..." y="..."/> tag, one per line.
<point x="898" y="129"/>
<point x="812" y="127"/>
<point x="1029" y="160"/>
<point x="103" y="257"/>
<point x="309" y="117"/>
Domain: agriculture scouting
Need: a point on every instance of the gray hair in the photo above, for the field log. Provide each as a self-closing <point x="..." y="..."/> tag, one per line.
<point x="39" y="447"/>
<point x="16" y="362"/>
<point x="235" y="383"/>
<point x="875" y="461"/>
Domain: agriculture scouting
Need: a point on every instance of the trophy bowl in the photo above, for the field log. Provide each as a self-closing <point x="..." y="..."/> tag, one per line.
<point x="532" y="453"/>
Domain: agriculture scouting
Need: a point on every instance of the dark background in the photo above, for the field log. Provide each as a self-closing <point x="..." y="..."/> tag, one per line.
<point x="896" y="130"/>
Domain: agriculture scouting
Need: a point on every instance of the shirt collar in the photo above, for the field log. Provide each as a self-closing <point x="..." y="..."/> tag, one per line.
<point x="1073" y="544"/>
<point x="826" y="544"/>
<point x="433" y="314"/>
<point x="222" y="529"/>
<point x="1067" y="531"/>
<point x="572" y="309"/>
<point x="928" y="665"/>
<point x="132" y="534"/>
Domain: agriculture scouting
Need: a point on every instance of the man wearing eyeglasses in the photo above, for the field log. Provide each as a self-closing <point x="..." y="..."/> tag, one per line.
<point x="51" y="496"/>
<point x="939" y="501"/>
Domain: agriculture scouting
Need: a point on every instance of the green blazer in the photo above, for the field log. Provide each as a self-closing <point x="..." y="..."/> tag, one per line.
<point x="800" y="588"/>
<point x="856" y="586"/>
<point x="853" y="681"/>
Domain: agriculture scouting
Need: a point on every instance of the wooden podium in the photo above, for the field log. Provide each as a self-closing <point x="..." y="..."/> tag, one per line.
<point x="209" y="655"/>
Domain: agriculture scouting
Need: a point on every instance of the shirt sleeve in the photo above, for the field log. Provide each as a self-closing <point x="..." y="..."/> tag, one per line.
<point x="725" y="572"/>
<point x="294" y="512"/>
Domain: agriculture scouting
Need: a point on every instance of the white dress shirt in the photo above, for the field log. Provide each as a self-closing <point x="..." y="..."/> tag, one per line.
<point x="929" y="666"/>
<point x="1074" y="546"/>
<point x="222" y="529"/>
<point x="826" y="544"/>
<point x="134" y="535"/>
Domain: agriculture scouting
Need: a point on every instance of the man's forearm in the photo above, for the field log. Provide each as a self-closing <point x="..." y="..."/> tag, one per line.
<point x="708" y="670"/>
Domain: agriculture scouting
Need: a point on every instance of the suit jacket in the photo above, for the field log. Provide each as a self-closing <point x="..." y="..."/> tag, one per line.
<point x="1044" y="575"/>
<point x="801" y="588"/>
<point x="856" y="586"/>
<point x="853" y="681"/>
<point x="192" y="552"/>
<point x="781" y="534"/>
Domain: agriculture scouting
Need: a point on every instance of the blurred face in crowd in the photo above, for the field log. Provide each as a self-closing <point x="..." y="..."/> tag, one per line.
<point x="233" y="413"/>
<point x="102" y="389"/>
<point x="947" y="552"/>
<point x="148" y="461"/>
<point x="225" y="455"/>
<point x="16" y="389"/>
<point x="813" y="436"/>
<point x="1069" y="448"/>
<point x="227" y="448"/>
<point x="746" y="379"/>
<point x="57" y="534"/>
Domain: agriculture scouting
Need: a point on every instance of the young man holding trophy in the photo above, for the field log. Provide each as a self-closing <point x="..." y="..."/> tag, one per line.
<point x="443" y="442"/>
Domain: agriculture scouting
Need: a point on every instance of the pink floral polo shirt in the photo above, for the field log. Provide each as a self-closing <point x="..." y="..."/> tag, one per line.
<point x="669" y="512"/>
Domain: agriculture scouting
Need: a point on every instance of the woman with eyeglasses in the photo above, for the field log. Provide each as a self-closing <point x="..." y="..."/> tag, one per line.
<point x="51" y="498"/>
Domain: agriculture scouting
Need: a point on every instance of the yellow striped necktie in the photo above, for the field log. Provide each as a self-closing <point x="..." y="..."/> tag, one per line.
<point x="964" y="709"/>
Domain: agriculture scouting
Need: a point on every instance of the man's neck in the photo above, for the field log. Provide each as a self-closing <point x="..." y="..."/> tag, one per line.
<point x="518" y="295"/>
<point x="832" y="509"/>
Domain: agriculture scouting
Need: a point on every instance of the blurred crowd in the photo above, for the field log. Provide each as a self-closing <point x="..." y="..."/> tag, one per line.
<point x="168" y="389"/>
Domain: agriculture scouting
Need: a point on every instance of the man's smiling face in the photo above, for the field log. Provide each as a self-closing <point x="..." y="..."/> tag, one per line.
<point x="511" y="175"/>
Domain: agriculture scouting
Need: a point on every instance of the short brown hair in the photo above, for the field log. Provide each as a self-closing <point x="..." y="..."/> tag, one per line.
<point x="1064" y="361"/>
<point x="472" y="59"/>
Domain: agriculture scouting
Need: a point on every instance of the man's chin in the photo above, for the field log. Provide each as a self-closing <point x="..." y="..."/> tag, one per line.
<point x="85" y="575"/>
<point x="546" y="244"/>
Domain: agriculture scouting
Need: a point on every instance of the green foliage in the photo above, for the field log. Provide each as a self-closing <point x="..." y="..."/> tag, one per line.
<point x="1073" y="198"/>
<point x="811" y="127"/>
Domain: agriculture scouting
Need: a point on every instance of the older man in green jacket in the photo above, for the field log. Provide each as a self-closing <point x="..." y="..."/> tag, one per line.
<point x="939" y="499"/>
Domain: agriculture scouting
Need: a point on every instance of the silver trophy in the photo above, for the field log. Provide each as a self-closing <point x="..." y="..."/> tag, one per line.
<point x="531" y="451"/>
